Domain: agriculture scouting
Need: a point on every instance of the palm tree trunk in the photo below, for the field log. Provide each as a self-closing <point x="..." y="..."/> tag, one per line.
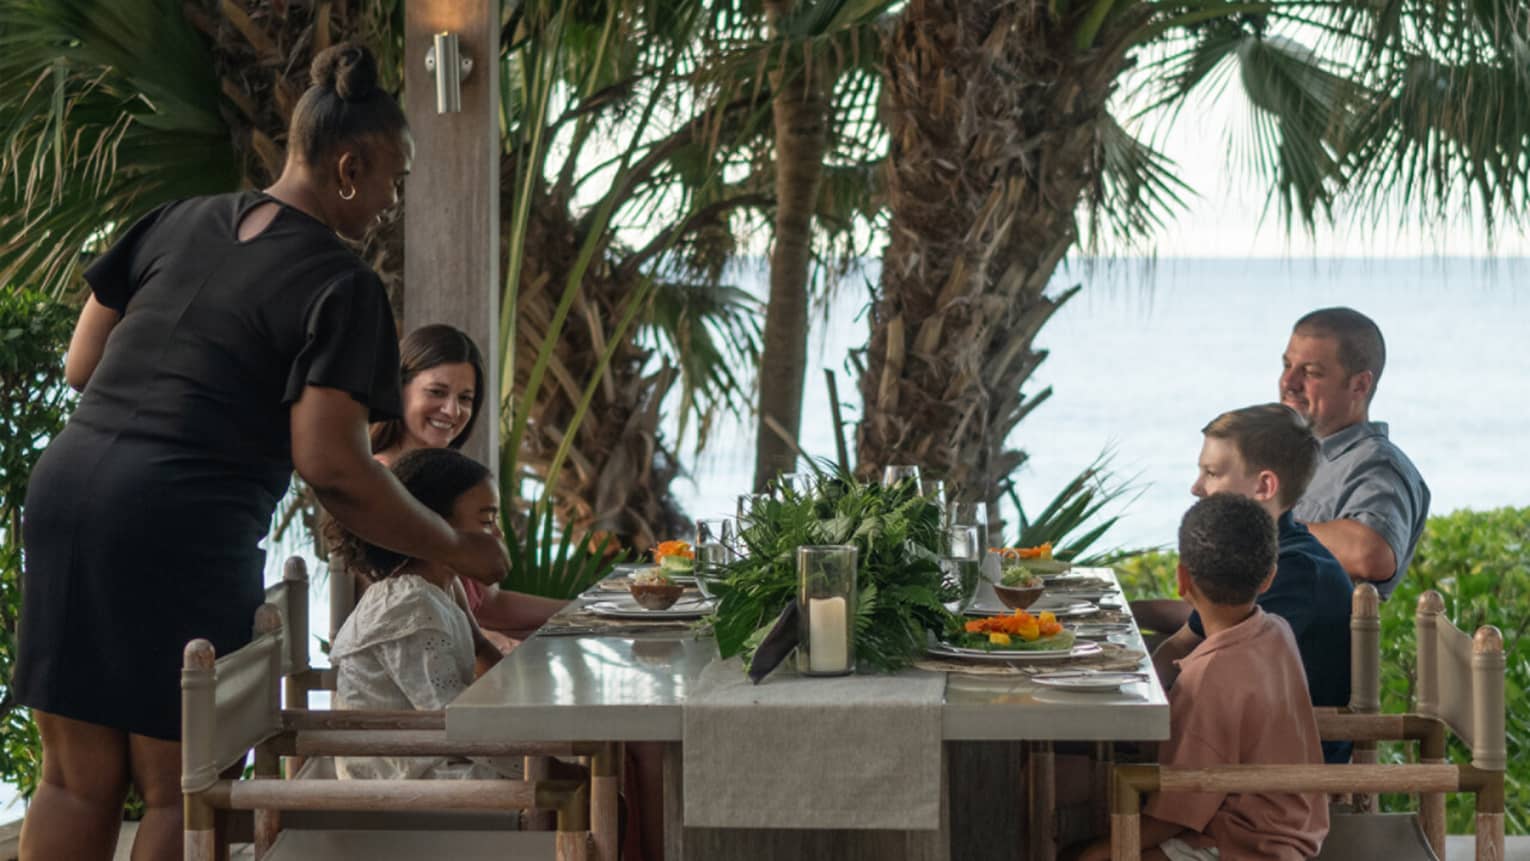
<point x="992" y="117"/>
<point x="801" y="137"/>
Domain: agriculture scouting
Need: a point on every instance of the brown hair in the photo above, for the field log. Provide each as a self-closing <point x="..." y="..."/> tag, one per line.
<point x="1361" y="347"/>
<point x="437" y="477"/>
<point x="421" y="350"/>
<point x="1273" y="437"/>
<point x="1227" y="544"/>
<point x="343" y="106"/>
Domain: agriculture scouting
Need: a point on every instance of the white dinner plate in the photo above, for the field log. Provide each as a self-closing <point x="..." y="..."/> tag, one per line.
<point x="1079" y="650"/>
<point x="1092" y="595"/>
<point x="1060" y="609"/>
<point x="627" y="608"/>
<point x="1100" y="630"/>
<point x="1087" y="681"/>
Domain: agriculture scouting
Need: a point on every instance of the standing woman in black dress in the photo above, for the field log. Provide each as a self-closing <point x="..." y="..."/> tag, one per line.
<point x="227" y="341"/>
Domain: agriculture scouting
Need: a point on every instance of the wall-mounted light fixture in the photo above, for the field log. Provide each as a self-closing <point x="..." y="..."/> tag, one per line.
<point x="444" y="59"/>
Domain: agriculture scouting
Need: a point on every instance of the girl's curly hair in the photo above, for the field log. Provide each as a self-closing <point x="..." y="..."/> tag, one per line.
<point x="437" y="477"/>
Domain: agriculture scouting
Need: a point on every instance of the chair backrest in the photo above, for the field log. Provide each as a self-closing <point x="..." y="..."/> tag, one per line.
<point x="1461" y="681"/>
<point x="229" y="703"/>
<point x="1365" y="650"/>
<point x="290" y="598"/>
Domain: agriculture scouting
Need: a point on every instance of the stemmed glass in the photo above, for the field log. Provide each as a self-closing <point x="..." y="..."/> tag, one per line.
<point x="933" y="489"/>
<point x="892" y="476"/>
<point x="749" y="504"/>
<point x="970" y="514"/>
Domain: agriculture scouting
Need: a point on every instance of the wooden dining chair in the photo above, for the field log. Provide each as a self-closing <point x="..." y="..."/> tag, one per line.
<point x="231" y="705"/>
<point x="1460" y="691"/>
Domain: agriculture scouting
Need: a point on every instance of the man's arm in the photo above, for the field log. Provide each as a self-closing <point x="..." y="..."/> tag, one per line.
<point x="1180" y="644"/>
<point x="1362" y="551"/>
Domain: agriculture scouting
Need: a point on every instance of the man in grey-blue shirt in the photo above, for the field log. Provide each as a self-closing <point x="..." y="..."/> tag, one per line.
<point x="1367" y="503"/>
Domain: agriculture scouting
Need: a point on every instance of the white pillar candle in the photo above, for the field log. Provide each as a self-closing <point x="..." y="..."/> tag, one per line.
<point x="828" y="636"/>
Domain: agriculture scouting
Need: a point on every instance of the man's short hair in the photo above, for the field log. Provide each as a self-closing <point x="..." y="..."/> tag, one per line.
<point x="1227" y="544"/>
<point x="1361" y="347"/>
<point x="1273" y="437"/>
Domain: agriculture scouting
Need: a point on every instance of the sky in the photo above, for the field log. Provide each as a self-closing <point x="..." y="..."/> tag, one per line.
<point x="1227" y="217"/>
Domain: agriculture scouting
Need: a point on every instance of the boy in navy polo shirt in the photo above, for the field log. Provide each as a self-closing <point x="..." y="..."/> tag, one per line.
<point x="1268" y="453"/>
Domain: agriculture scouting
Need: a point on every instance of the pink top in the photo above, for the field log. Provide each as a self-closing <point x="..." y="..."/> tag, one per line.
<point x="476" y="593"/>
<point x="1241" y="699"/>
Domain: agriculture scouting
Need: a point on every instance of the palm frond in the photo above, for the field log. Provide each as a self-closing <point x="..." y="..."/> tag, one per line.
<point x="108" y="110"/>
<point x="712" y="334"/>
<point x="1138" y="187"/>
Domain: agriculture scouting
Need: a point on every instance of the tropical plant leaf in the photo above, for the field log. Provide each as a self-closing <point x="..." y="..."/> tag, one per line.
<point x="545" y="563"/>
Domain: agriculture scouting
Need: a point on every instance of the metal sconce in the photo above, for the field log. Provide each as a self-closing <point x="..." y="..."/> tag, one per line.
<point x="444" y="59"/>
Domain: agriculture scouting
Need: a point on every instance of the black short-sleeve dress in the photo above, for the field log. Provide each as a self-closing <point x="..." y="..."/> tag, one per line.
<point x="144" y="517"/>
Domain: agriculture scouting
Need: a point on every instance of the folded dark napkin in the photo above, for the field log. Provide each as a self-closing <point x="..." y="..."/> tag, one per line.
<point x="777" y="644"/>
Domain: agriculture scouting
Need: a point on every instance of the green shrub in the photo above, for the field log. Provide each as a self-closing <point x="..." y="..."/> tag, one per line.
<point x="34" y="330"/>
<point x="1480" y="562"/>
<point x="1148" y="575"/>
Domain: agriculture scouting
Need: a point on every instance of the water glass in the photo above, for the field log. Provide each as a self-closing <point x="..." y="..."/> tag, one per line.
<point x="892" y="476"/>
<point x="714" y="530"/>
<point x="961" y="566"/>
<point x="711" y="561"/>
<point x="826" y="610"/>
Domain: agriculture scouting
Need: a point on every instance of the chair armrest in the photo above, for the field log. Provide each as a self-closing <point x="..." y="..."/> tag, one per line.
<point x="304" y="720"/>
<point x="1346" y="726"/>
<point x="376" y="742"/>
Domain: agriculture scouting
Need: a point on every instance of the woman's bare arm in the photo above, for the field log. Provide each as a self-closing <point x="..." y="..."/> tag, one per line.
<point x="330" y="450"/>
<point x="88" y="342"/>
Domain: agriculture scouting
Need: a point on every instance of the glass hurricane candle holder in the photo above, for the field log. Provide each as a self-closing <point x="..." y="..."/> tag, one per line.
<point x="826" y="605"/>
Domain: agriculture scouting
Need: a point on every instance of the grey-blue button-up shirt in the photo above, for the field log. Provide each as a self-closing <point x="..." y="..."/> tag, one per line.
<point x="1362" y="476"/>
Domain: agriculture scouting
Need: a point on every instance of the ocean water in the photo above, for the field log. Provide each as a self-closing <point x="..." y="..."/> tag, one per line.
<point x="1146" y="354"/>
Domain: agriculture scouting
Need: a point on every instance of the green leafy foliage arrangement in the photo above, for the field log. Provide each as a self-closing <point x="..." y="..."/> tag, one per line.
<point x="898" y="537"/>
<point x="551" y="565"/>
<point x="34" y="330"/>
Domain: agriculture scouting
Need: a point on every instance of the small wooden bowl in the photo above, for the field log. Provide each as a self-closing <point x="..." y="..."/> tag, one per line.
<point x="1018" y="598"/>
<point x="656" y="596"/>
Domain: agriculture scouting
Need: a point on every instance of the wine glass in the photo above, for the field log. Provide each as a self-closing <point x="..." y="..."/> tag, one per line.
<point x="787" y="484"/>
<point x="970" y="514"/>
<point x="933" y="489"/>
<point x="892" y="476"/>
<point x="749" y="506"/>
<point x="714" y="530"/>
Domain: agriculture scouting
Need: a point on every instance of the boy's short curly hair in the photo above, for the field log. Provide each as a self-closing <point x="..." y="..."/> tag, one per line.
<point x="1227" y="544"/>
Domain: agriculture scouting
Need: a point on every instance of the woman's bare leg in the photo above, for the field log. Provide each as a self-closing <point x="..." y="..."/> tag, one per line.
<point x="156" y="769"/>
<point x="77" y="811"/>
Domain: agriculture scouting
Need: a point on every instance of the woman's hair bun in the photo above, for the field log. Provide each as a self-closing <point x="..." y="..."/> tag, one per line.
<point x="347" y="68"/>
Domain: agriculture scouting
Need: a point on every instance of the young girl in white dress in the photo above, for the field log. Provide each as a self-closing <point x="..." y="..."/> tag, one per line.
<point x="409" y="643"/>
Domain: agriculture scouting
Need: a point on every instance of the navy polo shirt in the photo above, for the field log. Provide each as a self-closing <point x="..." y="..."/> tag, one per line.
<point x="1312" y="593"/>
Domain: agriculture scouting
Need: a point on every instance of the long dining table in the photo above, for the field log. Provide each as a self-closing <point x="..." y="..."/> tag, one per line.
<point x="626" y="685"/>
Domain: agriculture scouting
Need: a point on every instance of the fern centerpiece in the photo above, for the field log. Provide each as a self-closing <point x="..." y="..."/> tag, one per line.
<point x="898" y="535"/>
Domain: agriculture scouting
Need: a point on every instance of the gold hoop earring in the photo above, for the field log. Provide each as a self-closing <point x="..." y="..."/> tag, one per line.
<point x="351" y="196"/>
